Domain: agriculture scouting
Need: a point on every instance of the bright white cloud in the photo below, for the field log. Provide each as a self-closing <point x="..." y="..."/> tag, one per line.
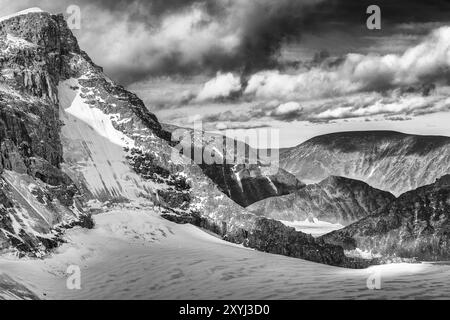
<point x="288" y="107"/>
<point x="222" y="86"/>
<point x="374" y="104"/>
<point x="287" y="111"/>
<point x="429" y="60"/>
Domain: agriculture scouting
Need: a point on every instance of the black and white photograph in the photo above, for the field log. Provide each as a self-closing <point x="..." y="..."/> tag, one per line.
<point x="224" y="150"/>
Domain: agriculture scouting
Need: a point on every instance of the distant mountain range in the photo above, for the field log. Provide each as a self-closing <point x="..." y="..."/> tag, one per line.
<point x="386" y="160"/>
<point x="416" y="225"/>
<point x="335" y="199"/>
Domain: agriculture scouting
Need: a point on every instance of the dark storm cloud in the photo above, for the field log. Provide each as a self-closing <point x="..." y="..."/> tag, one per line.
<point x="261" y="27"/>
<point x="352" y="13"/>
<point x="147" y="11"/>
<point x="214" y="35"/>
<point x="137" y="39"/>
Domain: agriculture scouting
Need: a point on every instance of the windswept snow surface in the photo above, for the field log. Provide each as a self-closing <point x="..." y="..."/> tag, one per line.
<point x="11" y="290"/>
<point x="135" y="254"/>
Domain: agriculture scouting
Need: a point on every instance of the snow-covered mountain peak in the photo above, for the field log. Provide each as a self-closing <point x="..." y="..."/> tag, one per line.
<point x="20" y="13"/>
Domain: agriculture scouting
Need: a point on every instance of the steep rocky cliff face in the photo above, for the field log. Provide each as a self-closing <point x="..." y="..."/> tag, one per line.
<point x="247" y="184"/>
<point x="389" y="161"/>
<point x="37" y="196"/>
<point x="416" y="225"/>
<point x="335" y="200"/>
<point x="72" y="138"/>
<point x="240" y="172"/>
<point x="274" y="237"/>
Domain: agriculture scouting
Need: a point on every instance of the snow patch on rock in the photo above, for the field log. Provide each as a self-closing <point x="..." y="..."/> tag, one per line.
<point x="94" y="148"/>
<point x="20" y="13"/>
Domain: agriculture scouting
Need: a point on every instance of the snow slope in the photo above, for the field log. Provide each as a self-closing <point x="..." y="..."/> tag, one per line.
<point x="95" y="148"/>
<point x="134" y="254"/>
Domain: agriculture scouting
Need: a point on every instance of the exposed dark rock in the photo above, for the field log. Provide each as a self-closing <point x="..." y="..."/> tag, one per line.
<point x="246" y="184"/>
<point x="35" y="52"/>
<point x="274" y="237"/>
<point x="127" y="103"/>
<point x="176" y="195"/>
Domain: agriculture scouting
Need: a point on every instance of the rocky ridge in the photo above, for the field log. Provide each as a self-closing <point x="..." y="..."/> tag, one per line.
<point x="38" y="198"/>
<point x="416" y="225"/>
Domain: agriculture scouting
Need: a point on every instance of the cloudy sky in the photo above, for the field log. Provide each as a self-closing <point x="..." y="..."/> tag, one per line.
<point x="305" y="67"/>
